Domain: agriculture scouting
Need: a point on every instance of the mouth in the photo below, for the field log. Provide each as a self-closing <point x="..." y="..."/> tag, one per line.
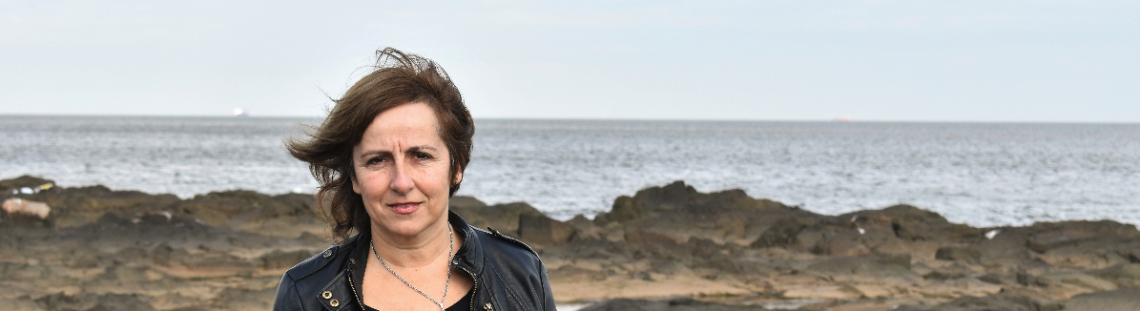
<point x="404" y="207"/>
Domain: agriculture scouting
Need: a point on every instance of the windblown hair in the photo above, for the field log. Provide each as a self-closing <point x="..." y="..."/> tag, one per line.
<point x="397" y="78"/>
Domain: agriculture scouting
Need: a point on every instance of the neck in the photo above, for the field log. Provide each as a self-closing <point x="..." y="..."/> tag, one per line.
<point x="414" y="251"/>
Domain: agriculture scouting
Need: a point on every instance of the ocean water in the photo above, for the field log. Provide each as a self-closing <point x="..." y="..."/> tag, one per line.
<point x="983" y="174"/>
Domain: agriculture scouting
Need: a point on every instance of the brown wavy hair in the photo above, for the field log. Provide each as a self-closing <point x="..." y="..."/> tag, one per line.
<point x="397" y="78"/>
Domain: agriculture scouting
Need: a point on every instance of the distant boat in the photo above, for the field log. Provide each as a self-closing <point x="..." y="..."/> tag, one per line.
<point x="843" y="119"/>
<point x="238" y="112"/>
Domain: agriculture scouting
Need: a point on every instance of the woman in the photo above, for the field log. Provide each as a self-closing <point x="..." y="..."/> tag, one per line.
<point x="388" y="157"/>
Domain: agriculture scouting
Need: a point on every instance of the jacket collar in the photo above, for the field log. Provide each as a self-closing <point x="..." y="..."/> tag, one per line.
<point x="469" y="257"/>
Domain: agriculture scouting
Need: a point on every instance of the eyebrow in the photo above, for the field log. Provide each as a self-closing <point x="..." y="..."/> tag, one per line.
<point x="368" y="154"/>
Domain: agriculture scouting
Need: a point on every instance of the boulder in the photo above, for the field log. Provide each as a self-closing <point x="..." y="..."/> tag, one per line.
<point x="237" y="208"/>
<point x="839" y="241"/>
<point x="17" y="206"/>
<point x="20" y="213"/>
<point x="542" y="230"/>
<point x="1043" y="237"/>
<point x="782" y="233"/>
<point x="679" y="208"/>
<point x="503" y="217"/>
<point x="464" y="202"/>
<point x="28" y="181"/>
<point x="915" y="224"/>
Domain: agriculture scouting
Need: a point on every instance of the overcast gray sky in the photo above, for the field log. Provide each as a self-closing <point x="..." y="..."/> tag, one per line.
<point x="1041" y="61"/>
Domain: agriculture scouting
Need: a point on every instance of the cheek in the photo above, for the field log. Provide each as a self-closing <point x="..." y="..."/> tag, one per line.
<point x="439" y="178"/>
<point x="370" y="182"/>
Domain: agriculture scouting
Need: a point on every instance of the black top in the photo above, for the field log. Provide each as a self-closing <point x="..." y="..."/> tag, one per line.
<point x="460" y="305"/>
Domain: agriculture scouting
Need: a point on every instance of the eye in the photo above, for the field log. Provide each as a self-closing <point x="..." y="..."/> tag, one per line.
<point x="374" y="161"/>
<point x="422" y="156"/>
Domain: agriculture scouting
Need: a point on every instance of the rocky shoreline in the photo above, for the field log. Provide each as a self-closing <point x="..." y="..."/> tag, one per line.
<point x="664" y="248"/>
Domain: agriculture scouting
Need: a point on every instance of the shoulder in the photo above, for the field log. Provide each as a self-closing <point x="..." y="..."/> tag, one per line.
<point x="508" y="257"/>
<point x="516" y="272"/>
<point x="493" y="242"/>
<point x="331" y="259"/>
<point x="300" y="283"/>
<point x="314" y="263"/>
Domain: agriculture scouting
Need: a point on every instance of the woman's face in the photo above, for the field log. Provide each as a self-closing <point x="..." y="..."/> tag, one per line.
<point x="402" y="167"/>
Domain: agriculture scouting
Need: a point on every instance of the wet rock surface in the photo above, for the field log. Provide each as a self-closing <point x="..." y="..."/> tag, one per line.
<point x="664" y="248"/>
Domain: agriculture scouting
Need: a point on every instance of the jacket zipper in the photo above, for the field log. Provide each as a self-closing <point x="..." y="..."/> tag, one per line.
<point x="474" y="288"/>
<point x="359" y="301"/>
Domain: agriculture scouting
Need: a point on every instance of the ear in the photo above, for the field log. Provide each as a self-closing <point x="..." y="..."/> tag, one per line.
<point x="458" y="176"/>
<point x="355" y="184"/>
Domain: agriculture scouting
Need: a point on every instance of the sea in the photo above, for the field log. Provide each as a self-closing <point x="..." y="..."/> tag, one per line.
<point x="982" y="174"/>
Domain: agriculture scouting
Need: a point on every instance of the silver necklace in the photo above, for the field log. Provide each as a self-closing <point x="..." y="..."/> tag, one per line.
<point x="450" y="251"/>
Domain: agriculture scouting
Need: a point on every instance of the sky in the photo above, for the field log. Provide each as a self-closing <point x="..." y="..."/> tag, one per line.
<point x="972" y="61"/>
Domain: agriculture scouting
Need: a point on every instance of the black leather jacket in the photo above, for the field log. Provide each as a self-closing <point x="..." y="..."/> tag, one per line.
<point x="508" y="274"/>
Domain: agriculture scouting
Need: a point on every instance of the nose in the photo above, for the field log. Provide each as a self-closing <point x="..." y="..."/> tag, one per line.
<point x="401" y="182"/>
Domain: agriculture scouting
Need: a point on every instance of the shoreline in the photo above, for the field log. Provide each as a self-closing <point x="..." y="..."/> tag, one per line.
<point x="670" y="246"/>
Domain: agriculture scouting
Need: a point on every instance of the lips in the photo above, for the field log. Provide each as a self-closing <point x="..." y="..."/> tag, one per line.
<point x="404" y="207"/>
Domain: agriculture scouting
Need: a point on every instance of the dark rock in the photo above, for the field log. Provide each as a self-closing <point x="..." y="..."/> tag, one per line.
<point x="1123" y="275"/>
<point x="782" y="233"/>
<point x="911" y="223"/>
<point x="678" y="304"/>
<point x="165" y="255"/>
<point x="954" y="253"/>
<point x="1047" y="236"/>
<point x="239" y="207"/>
<point x="649" y="238"/>
<point x="704" y="248"/>
<point x="869" y="266"/>
<point x="719" y="263"/>
<point x="94" y="302"/>
<point x="503" y="217"/>
<point x="7" y="185"/>
<point x="839" y="241"/>
<point x="997" y="302"/>
<point x="281" y="260"/>
<point x="82" y="260"/>
<point x="25" y="221"/>
<point x="1007" y="248"/>
<point x="584" y="228"/>
<point x="542" y="230"/>
<point x="680" y="209"/>
<point x="622" y="211"/>
<point x="1026" y="279"/>
<point x="581" y="222"/>
<point x="948" y="273"/>
<point x="900" y="260"/>
<point x="1121" y="299"/>
<point x="991" y="278"/>
<point x="244" y="299"/>
<point x="464" y="202"/>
